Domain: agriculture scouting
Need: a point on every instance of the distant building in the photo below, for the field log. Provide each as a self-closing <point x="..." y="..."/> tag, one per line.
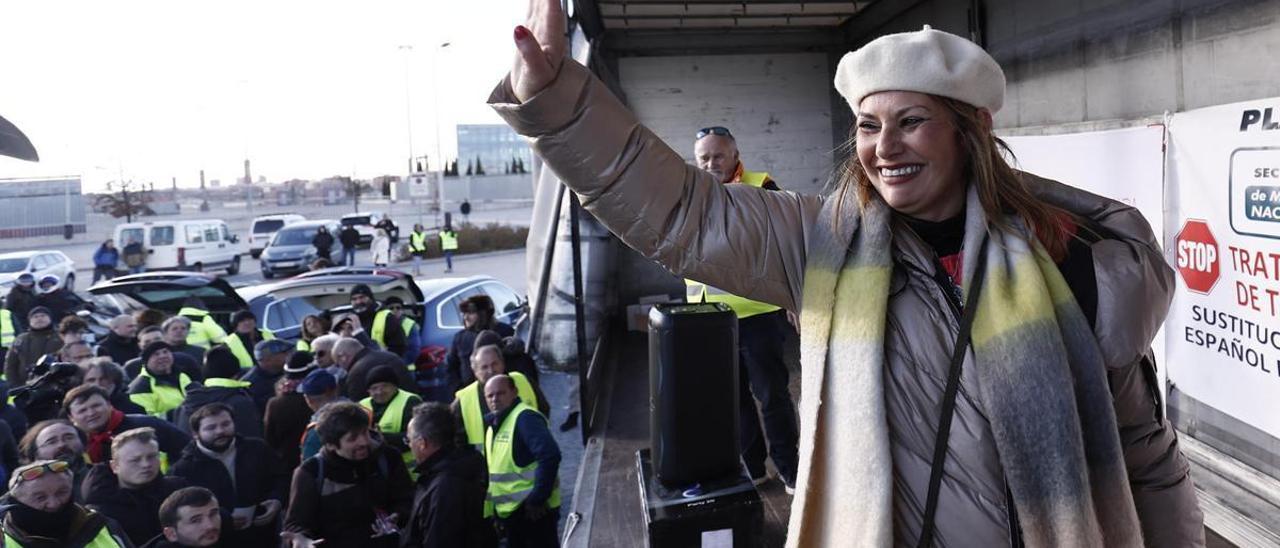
<point x="40" y="207"/>
<point x="495" y="144"/>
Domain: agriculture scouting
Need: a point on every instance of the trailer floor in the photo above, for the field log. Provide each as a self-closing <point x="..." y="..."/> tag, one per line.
<point x="618" y="515"/>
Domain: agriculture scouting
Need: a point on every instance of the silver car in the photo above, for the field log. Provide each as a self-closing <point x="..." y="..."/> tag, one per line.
<point x="290" y="250"/>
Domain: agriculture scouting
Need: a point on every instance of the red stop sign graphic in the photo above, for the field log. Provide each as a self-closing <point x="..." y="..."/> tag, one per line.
<point x="1198" y="256"/>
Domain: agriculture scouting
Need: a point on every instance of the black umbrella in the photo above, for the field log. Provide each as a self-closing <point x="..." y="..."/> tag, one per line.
<point x="14" y="143"/>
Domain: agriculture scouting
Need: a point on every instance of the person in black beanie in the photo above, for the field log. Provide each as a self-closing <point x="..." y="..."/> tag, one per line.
<point x="159" y="388"/>
<point x="39" y="340"/>
<point x="381" y="325"/>
<point x="220" y="386"/>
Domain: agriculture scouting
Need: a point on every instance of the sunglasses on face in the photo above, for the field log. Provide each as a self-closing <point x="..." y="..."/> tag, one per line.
<point x="32" y="472"/>
<point x="713" y="130"/>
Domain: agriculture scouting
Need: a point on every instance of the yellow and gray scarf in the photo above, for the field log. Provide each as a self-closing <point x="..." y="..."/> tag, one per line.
<point x="1040" y="374"/>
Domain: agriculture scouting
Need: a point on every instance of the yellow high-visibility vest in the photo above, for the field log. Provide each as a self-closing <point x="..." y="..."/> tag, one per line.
<point x="7" y="332"/>
<point x="242" y="354"/>
<point x="417" y="241"/>
<point x="473" y="415"/>
<point x="162" y="398"/>
<point x="204" y="331"/>
<point x="101" y="540"/>
<point x="510" y="484"/>
<point x="448" y="240"/>
<point x="391" y="421"/>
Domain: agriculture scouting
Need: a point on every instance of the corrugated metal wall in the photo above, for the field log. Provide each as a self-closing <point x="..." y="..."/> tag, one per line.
<point x="40" y="207"/>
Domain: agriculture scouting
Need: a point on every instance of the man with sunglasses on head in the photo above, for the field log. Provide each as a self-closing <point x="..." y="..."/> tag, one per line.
<point x="762" y="331"/>
<point x="39" y="512"/>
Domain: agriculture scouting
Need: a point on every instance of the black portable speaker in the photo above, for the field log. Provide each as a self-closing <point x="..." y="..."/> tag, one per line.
<point x="693" y="392"/>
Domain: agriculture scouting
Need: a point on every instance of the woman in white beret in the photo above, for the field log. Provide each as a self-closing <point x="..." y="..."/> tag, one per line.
<point x="974" y="339"/>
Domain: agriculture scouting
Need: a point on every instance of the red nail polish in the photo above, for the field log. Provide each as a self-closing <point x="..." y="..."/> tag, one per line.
<point x="521" y="32"/>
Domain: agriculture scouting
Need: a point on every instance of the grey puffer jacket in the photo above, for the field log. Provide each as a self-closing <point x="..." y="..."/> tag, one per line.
<point x="753" y="243"/>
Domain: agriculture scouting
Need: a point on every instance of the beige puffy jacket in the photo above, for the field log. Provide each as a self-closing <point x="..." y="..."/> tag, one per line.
<point x="753" y="243"/>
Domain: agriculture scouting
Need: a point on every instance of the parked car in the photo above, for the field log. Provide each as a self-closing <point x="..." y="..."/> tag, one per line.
<point x="201" y="244"/>
<point x="39" y="264"/>
<point x="291" y="252"/>
<point x="166" y="292"/>
<point x="264" y="228"/>
<point x="363" y="222"/>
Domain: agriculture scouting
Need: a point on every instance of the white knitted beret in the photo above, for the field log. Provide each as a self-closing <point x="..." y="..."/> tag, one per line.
<point x="925" y="61"/>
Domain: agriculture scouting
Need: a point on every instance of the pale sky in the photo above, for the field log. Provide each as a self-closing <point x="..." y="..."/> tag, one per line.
<point x="161" y="89"/>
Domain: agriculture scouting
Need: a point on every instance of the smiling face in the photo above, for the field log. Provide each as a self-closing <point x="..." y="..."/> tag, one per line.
<point x="717" y="155"/>
<point x="161" y="362"/>
<point x="59" y="442"/>
<point x="47" y="493"/>
<point x="911" y="152"/>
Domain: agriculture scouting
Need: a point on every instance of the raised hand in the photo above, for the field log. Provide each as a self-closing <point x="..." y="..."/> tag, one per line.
<point x="541" y="46"/>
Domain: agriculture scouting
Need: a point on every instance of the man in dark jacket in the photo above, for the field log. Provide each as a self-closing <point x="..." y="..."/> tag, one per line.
<point x="21" y="299"/>
<point x="221" y="387"/>
<point x="323" y="242"/>
<point x="271" y="356"/>
<point x="287" y="413"/>
<point x="246" y="476"/>
<point x="88" y="408"/>
<point x="121" y="344"/>
<point x="43" y="514"/>
<point x="359" y="361"/>
<point x="379" y="322"/>
<point x="355" y="486"/>
<point x="350" y="239"/>
<point x="29" y="347"/>
<point x="175" y="331"/>
<point x="477" y="315"/>
<point x="130" y="488"/>
<point x="448" y="505"/>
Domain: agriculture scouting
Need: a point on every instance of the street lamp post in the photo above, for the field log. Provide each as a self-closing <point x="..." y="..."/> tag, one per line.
<point x="435" y="81"/>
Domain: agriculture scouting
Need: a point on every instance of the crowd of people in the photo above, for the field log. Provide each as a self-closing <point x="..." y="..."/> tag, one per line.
<point x="175" y="430"/>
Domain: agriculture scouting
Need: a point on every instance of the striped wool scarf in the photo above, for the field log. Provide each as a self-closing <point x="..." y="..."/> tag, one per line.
<point x="1040" y="374"/>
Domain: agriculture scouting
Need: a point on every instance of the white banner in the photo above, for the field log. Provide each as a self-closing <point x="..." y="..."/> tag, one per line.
<point x="1126" y="165"/>
<point x="1223" y="234"/>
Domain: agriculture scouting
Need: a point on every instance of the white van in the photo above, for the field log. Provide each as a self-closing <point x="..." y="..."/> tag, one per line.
<point x="265" y="227"/>
<point x="202" y="244"/>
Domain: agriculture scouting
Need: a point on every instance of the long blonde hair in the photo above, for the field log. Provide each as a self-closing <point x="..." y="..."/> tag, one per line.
<point x="1001" y="190"/>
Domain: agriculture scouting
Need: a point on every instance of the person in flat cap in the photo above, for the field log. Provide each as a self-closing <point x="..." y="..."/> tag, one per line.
<point x="270" y="357"/>
<point x="319" y="388"/>
<point x="287" y="412"/>
<point x="929" y="256"/>
<point x="159" y="388"/>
